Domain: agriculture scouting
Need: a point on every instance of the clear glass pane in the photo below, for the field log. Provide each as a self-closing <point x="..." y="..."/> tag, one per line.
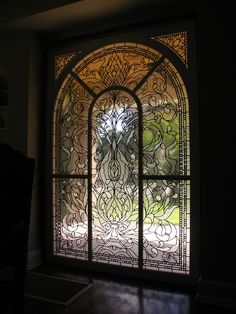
<point x="70" y="220"/>
<point x="166" y="225"/>
<point x="115" y="179"/>
<point x="70" y="138"/>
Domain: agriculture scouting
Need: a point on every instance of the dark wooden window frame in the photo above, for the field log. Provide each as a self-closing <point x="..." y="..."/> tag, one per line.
<point x="189" y="77"/>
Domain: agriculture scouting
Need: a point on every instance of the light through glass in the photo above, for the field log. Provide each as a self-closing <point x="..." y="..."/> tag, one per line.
<point x="121" y="161"/>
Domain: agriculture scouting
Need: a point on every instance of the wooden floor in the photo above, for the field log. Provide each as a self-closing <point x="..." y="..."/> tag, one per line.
<point x="115" y="296"/>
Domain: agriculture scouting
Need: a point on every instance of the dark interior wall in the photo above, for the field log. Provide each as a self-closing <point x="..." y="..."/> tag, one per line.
<point x="33" y="139"/>
<point x="12" y="9"/>
<point x="20" y="57"/>
<point x="14" y="56"/>
<point x="216" y="68"/>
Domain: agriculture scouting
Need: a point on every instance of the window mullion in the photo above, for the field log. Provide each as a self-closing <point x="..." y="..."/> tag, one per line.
<point x="90" y="218"/>
<point x="140" y="188"/>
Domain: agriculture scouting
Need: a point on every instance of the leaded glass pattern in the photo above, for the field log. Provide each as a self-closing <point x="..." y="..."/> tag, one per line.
<point x="165" y="123"/>
<point x="70" y="205"/>
<point x="121" y="64"/>
<point x="61" y="62"/>
<point x="71" y="134"/>
<point x="121" y="161"/>
<point x="166" y="225"/>
<point x="115" y="179"/>
<point x="177" y="42"/>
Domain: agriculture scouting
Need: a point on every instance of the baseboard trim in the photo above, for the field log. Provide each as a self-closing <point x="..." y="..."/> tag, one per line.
<point x="34" y="259"/>
<point x="216" y="293"/>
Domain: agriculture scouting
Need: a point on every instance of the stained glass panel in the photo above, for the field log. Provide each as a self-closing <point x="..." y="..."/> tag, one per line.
<point x="71" y="128"/>
<point x="121" y="64"/>
<point x="70" y="208"/>
<point x="127" y="105"/>
<point x="165" y="123"/>
<point x="177" y="42"/>
<point x="115" y="179"/>
<point x="166" y="225"/>
<point x="61" y="61"/>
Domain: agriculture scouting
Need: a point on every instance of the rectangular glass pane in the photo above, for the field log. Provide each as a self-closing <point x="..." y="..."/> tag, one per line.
<point x="166" y="225"/>
<point x="115" y="180"/>
<point x="70" y="220"/>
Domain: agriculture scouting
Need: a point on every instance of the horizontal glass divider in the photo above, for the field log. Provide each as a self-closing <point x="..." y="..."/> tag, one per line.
<point x="143" y="177"/>
<point x="68" y="176"/>
<point x="166" y="177"/>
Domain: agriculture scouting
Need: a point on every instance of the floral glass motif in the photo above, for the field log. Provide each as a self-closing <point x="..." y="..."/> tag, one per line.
<point x="62" y="61"/>
<point x="115" y="179"/>
<point x="165" y="123"/>
<point x="166" y="225"/>
<point x="70" y="217"/>
<point x="121" y="157"/>
<point x="177" y="42"/>
<point x="71" y="134"/>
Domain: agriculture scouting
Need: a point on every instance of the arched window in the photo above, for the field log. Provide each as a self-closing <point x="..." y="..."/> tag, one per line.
<point x="121" y="155"/>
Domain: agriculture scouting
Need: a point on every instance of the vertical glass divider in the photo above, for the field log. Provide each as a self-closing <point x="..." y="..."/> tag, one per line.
<point x="140" y="126"/>
<point x="90" y="216"/>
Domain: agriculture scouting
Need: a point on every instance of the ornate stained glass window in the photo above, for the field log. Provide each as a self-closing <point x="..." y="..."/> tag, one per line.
<point x="121" y="155"/>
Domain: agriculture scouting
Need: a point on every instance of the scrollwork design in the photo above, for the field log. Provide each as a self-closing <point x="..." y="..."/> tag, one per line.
<point x="74" y="130"/>
<point x="177" y="42"/>
<point x="74" y="225"/>
<point x="160" y="126"/>
<point x="119" y="65"/>
<point x="161" y="221"/>
<point x="116" y="177"/>
<point x="61" y="61"/>
<point x="115" y="168"/>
